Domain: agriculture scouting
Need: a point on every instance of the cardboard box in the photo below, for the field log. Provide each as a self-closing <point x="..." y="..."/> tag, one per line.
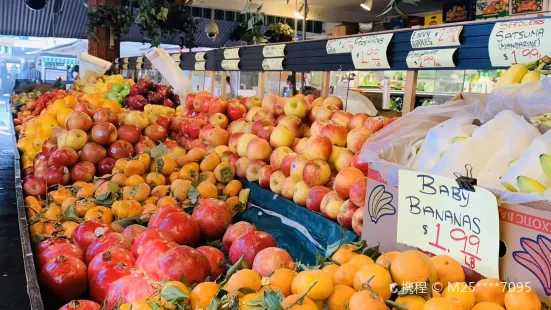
<point x="458" y="11"/>
<point x="345" y="29"/>
<point x="525" y="235"/>
<point x="492" y="8"/>
<point x="433" y="19"/>
<point x="528" y="6"/>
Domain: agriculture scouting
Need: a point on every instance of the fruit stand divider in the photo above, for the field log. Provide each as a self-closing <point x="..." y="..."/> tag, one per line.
<point x="33" y="289"/>
<point x="299" y="231"/>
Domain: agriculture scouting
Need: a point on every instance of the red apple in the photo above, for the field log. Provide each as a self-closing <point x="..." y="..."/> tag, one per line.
<point x="105" y="166"/>
<point x="317" y="126"/>
<point x="316" y="172"/>
<point x="144" y="145"/>
<point x="252" y="102"/>
<point x="165" y="121"/>
<point x="356" y="138"/>
<point x="192" y="127"/>
<point x="288" y="188"/>
<point x="252" y="173"/>
<point x="201" y="103"/>
<point x="236" y="111"/>
<point x="266" y="132"/>
<point x="190" y="99"/>
<point x="83" y="171"/>
<point x="342" y="118"/>
<point x="358" y="191"/>
<point x="121" y="149"/>
<point x="333" y="100"/>
<point x="279" y="105"/>
<point x="105" y="115"/>
<point x="278" y="155"/>
<point x="104" y="133"/>
<point x="358" y="221"/>
<point x="345" y="179"/>
<point x="318" y="147"/>
<point x="268" y="103"/>
<point x="93" y="152"/>
<point x="241" y="167"/>
<point x="287" y="162"/>
<point x="232" y="142"/>
<point x="49" y="146"/>
<point x="357" y="121"/>
<point x="57" y="174"/>
<point x="315" y="196"/>
<point x="264" y="176"/>
<point x="130" y="133"/>
<point x="64" y="156"/>
<point x="156" y="132"/>
<point x="219" y="119"/>
<point x="357" y="163"/>
<point x="344" y="218"/>
<point x="217" y="105"/>
<point x="336" y="133"/>
<point x="260" y="124"/>
<point x="78" y="120"/>
<point x="331" y="205"/>
<point x="85" y="107"/>
<point x="34" y="187"/>
<point x="240" y="125"/>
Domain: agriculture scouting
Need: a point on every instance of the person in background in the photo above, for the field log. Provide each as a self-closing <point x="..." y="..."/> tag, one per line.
<point x="23" y="72"/>
<point x="32" y="73"/>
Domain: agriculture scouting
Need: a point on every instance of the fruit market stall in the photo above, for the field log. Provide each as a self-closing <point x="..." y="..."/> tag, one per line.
<point x="143" y="195"/>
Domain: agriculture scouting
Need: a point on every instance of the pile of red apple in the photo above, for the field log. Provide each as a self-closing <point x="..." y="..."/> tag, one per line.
<point x="145" y="92"/>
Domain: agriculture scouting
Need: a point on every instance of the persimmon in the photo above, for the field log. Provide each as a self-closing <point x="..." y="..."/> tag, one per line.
<point x="189" y="172"/>
<point x="155" y="178"/>
<point x="209" y="162"/>
<point x="232" y="188"/>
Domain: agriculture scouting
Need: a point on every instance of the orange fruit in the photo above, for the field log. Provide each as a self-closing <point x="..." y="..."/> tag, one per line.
<point x="166" y="164"/>
<point x="119" y="179"/>
<point x="178" y="285"/>
<point x="203" y="294"/>
<point x="448" y="270"/>
<point x="155" y="178"/>
<point x="331" y="270"/>
<point x="244" y="278"/>
<point x="232" y="188"/>
<point x="340" y="297"/>
<point x="60" y="195"/>
<point x="232" y="202"/>
<point x="224" y="172"/>
<point x="173" y="176"/>
<point x="166" y="201"/>
<point x="111" y="104"/>
<point x="243" y="301"/>
<point x="485" y="305"/>
<point x="412" y="302"/>
<point x="361" y="260"/>
<point x="207" y="190"/>
<point x="194" y="155"/>
<point x="441" y="303"/>
<point x="180" y="189"/>
<point x="207" y="176"/>
<point x="377" y="277"/>
<point x="121" y="163"/>
<point x="209" y="162"/>
<point x="364" y="300"/>
<point x="386" y="258"/>
<point x="82" y="206"/>
<point x="490" y="290"/>
<point x="320" y="291"/>
<point x="52" y="212"/>
<point x="412" y="266"/>
<point x="145" y="159"/>
<point x="290" y="303"/>
<point x="320" y="304"/>
<point x="134" y="180"/>
<point x="344" y="254"/>
<point x="151" y="200"/>
<point x="189" y="172"/>
<point x="85" y="191"/>
<point x="281" y="279"/>
<point x="139" y="192"/>
<point x="160" y="191"/>
<point x="134" y="167"/>
<point x="461" y="294"/>
<point x="345" y="274"/>
<point x="99" y="213"/>
<point x="522" y="298"/>
<point x="71" y="101"/>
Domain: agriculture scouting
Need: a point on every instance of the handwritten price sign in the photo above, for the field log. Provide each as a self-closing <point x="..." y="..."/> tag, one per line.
<point x="272" y="64"/>
<point x="431" y="58"/>
<point x="200" y="65"/>
<point x="519" y="41"/>
<point x="231" y="53"/>
<point x="369" y="52"/>
<point x="274" y="50"/>
<point x="230" y="64"/>
<point x="200" y="56"/>
<point x="437" y="216"/>
<point x="438" y="37"/>
<point x="340" y="46"/>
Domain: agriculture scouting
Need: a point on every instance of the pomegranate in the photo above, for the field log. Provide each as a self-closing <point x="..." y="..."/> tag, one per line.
<point x="217" y="261"/>
<point x="142" y="241"/>
<point x="46" y="244"/>
<point x="270" y="259"/>
<point x="249" y="244"/>
<point x="235" y="231"/>
<point x="81" y="304"/>
<point x="106" y="242"/>
<point x="64" y="278"/>
<point x="128" y="289"/>
<point x="109" y="258"/>
<point x="182" y="227"/>
<point x="184" y="261"/>
<point x="65" y="249"/>
<point x="149" y="259"/>
<point x="213" y="217"/>
<point x="88" y="232"/>
<point x="156" y="220"/>
<point x="101" y="281"/>
<point x="132" y="231"/>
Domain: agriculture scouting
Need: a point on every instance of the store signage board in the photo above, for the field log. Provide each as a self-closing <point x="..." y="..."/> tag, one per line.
<point x="274" y="50"/>
<point x="438" y="58"/>
<point x="437" y="216"/>
<point x="272" y="64"/>
<point x="200" y="56"/>
<point x="200" y="65"/>
<point x="519" y="41"/>
<point x="369" y="52"/>
<point x="340" y="46"/>
<point x="232" y="64"/>
<point x="436" y="37"/>
<point x="231" y="53"/>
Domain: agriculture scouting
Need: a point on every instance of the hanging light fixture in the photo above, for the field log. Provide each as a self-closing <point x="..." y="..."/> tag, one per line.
<point x="299" y="14"/>
<point x="367" y="4"/>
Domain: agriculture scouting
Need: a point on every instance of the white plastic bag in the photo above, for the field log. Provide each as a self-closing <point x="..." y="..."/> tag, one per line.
<point x="91" y="67"/>
<point x="170" y="70"/>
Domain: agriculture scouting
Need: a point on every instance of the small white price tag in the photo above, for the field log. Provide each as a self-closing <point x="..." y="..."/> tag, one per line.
<point x="176" y="57"/>
<point x="139" y="65"/>
<point x="519" y="41"/>
<point x="125" y="60"/>
<point x="125" y="66"/>
<point x="369" y="52"/>
<point x="231" y="53"/>
<point x="441" y="58"/>
<point x="200" y="56"/>
<point x="274" y="50"/>
<point x="200" y="65"/>
<point x="272" y="64"/>
<point x="340" y="46"/>
<point x="437" y="37"/>
<point x="230" y="64"/>
<point x="139" y="59"/>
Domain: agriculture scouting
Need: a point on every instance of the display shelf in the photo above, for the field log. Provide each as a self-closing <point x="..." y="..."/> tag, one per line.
<point x="312" y="55"/>
<point x="398" y="92"/>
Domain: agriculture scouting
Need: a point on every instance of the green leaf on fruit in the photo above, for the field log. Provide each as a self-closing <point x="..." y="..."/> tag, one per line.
<point x="153" y="305"/>
<point x="113" y="187"/>
<point x="159" y="151"/>
<point x="332" y="248"/>
<point x="246" y="290"/>
<point x="215" y="244"/>
<point x="233" y="269"/>
<point x="238" y="208"/>
<point x="184" y="280"/>
<point x="173" y="293"/>
<point x="273" y="299"/>
<point x="193" y="194"/>
<point x="223" y="197"/>
<point x="70" y="214"/>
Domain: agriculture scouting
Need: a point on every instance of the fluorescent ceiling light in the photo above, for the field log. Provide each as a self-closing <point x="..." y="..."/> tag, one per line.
<point x="298" y="14"/>
<point x="367" y="4"/>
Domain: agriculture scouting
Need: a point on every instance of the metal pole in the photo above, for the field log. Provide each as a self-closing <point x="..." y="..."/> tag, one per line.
<point x="296" y="21"/>
<point x="304" y="20"/>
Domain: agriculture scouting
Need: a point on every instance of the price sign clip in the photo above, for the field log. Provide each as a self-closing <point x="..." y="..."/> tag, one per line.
<point x="466" y="182"/>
